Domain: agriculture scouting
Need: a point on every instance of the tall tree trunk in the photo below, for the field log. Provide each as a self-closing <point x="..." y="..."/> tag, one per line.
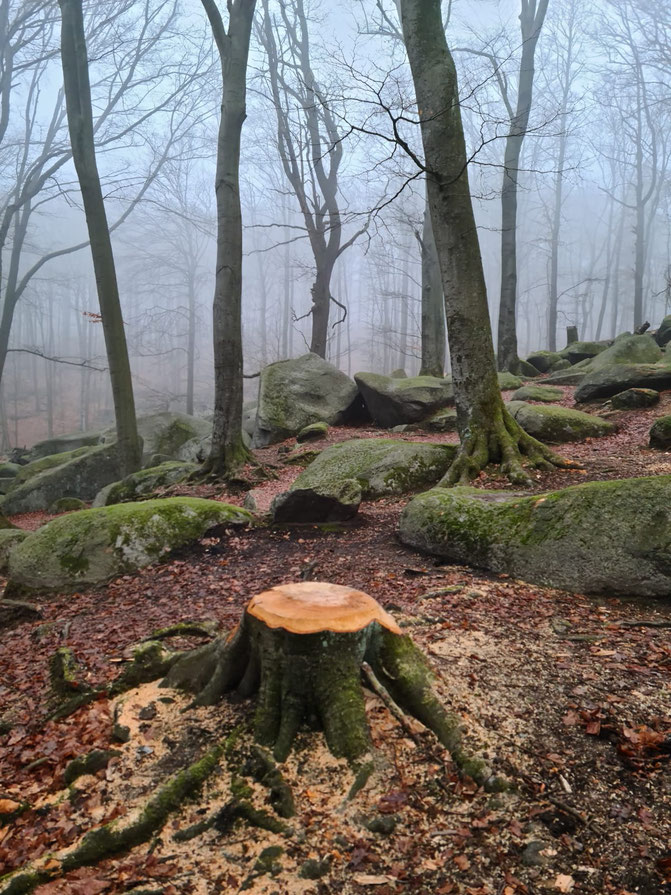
<point x="488" y="432"/>
<point x="228" y="451"/>
<point x="321" y="305"/>
<point x="433" y="305"/>
<point x="80" y="122"/>
<point x="531" y="20"/>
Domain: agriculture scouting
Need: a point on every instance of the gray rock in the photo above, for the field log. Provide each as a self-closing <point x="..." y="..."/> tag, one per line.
<point x="145" y="482"/>
<point x="337" y="504"/>
<point x="508" y="381"/>
<point x="547" y="394"/>
<point x="393" y="402"/>
<point x="94" y="545"/>
<point x="10" y="538"/>
<point x="295" y="393"/>
<point x="67" y="505"/>
<point x="660" y="434"/>
<point x="442" y="421"/>
<point x="635" y="399"/>
<point x="312" y="432"/>
<point x="619" y="377"/>
<point x="557" y="425"/>
<point x="578" y="351"/>
<point x="399" y="374"/>
<point x="628" y="350"/>
<point x="61" y="444"/>
<point x="599" y="537"/>
<point x="166" y="432"/>
<point x="663" y="334"/>
<point x="80" y="477"/>
<point x="543" y="361"/>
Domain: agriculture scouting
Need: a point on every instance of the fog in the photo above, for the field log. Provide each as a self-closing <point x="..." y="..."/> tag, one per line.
<point x="593" y="182"/>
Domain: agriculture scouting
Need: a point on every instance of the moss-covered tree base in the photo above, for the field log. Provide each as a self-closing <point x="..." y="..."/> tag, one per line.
<point x="498" y="439"/>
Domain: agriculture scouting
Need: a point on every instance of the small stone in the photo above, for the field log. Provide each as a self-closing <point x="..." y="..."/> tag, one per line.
<point x="148" y="713"/>
<point x="532" y="856"/>
<point x="120" y="733"/>
<point x="635" y="399"/>
<point x="267" y="861"/>
<point x="385" y="824"/>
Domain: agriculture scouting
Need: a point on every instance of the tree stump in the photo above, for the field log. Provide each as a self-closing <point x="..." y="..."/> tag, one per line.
<point x="300" y="648"/>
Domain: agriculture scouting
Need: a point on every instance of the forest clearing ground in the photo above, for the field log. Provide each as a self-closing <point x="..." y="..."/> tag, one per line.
<point x="570" y="700"/>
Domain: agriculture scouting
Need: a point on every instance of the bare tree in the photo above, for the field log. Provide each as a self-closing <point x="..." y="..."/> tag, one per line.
<point x="488" y="432"/>
<point x="80" y="122"/>
<point x="228" y="450"/>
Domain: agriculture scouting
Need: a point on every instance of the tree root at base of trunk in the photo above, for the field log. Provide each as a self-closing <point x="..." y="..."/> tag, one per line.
<point x="501" y="440"/>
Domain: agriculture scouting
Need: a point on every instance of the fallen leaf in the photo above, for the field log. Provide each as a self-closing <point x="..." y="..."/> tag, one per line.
<point x="564" y="882"/>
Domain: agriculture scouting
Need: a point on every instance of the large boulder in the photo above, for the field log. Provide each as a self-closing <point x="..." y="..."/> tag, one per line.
<point x="10" y="538"/>
<point x="62" y="444"/>
<point x="579" y="351"/>
<point x="628" y="350"/>
<point x="295" y="393"/>
<point x="82" y="476"/>
<point x="94" y="545"/>
<point x="336" y="481"/>
<point x="544" y="361"/>
<point x="599" y="537"/>
<point x="546" y="394"/>
<point x="660" y="434"/>
<point x="35" y="467"/>
<point x="166" y="432"/>
<point x="144" y="482"/>
<point x="635" y="399"/>
<point x="508" y="381"/>
<point x="663" y="334"/>
<point x="394" y="402"/>
<point x="558" y="425"/>
<point x="618" y="377"/>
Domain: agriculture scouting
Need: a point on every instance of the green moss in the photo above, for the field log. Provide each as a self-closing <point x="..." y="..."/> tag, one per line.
<point x="37" y="466"/>
<point x="660" y="433"/>
<point x="90" y="763"/>
<point x="545" y="393"/>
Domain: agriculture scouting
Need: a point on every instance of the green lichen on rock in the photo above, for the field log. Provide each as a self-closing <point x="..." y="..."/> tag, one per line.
<point x="660" y="434"/>
<point x="508" y="381"/>
<point x="599" y="537"/>
<point x="441" y="421"/>
<point x="97" y="544"/>
<point x="82" y="476"/>
<point x="312" y="432"/>
<point x="10" y="538"/>
<point x="616" y="378"/>
<point x="296" y="393"/>
<point x="628" y="350"/>
<point x="557" y="425"/>
<point x="49" y="462"/>
<point x="635" y="399"/>
<point x="145" y="482"/>
<point x="547" y="394"/>
<point x="62" y="444"/>
<point x="579" y="351"/>
<point x="167" y="432"/>
<point x="90" y="763"/>
<point x="66" y="505"/>
<point x="544" y="361"/>
<point x="394" y="402"/>
<point x="331" y="488"/>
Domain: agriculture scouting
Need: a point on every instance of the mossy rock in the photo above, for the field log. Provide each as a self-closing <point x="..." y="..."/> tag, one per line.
<point x="80" y="477"/>
<point x="619" y="377"/>
<point x="635" y="399"/>
<point x="557" y="425"/>
<point x="295" y="393"/>
<point x="394" y="402"/>
<point x="663" y="334"/>
<point x="543" y="361"/>
<point x="544" y="393"/>
<point x="35" y="467"/>
<point x="97" y="544"/>
<point x="527" y="370"/>
<point x="166" y="432"/>
<point x="508" y="380"/>
<point x="67" y="505"/>
<point x="332" y="486"/>
<point x="660" y="434"/>
<point x="628" y="350"/>
<point x="312" y="432"/>
<point x="65" y="444"/>
<point x="579" y="351"/>
<point x="144" y="483"/>
<point x="9" y="470"/>
<point x="442" y="421"/>
<point x="599" y="537"/>
<point x="10" y="538"/>
<point x="399" y="373"/>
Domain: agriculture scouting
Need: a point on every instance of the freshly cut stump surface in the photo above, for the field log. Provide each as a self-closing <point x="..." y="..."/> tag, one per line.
<point x="300" y="649"/>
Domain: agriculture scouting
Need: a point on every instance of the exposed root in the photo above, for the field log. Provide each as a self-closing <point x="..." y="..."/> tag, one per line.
<point x="502" y="440"/>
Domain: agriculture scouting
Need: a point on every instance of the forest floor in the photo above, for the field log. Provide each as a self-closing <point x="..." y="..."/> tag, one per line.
<point x="567" y="695"/>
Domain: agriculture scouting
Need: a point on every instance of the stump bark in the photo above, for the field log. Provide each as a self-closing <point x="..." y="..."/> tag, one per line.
<point x="300" y="649"/>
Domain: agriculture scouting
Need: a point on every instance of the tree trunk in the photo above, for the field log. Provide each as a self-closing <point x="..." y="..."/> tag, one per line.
<point x="80" y="122"/>
<point x="433" y="305"/>
<point x="488" y="432"/>
<point x="321" y="306"/>
<point x="531" y="23"/>
<point x="228" y="451"/>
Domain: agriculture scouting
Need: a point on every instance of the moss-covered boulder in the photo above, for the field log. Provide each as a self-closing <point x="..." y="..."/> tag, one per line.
<point x="294" y="393"/>
<point x="166" y="432"/>
<point x="628" y="350"/>
<point x="557" y="425"/>
<point x="663" y="334"/>
<point x="94" y="545"/>
<point x="544" y="361"/>
<point x="508" y="381"/>
<point x="571" y="376"/>
<point x="599" y="537"/>
<point x="394" y="402"/>
<point x="366" y="468"/>
<point x="61" y="444"/>
<point x="313" y="432"/>
<point x="67" y="505"/>
<point x="441" y="421"/>
<point x="660" y="434"/>
<point x="547" y="394"/>
<point x="579" y="351"/>
<point x="35" y="467"/>
<point x="81" y="477"/>
<point x="527" y="370"/>
<point x="144" y="483"/>
<point x="619" y="377"/>
<point x="9" y="470"/>
<point x="10" y="538"/>
<point x="635" y="399"/>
